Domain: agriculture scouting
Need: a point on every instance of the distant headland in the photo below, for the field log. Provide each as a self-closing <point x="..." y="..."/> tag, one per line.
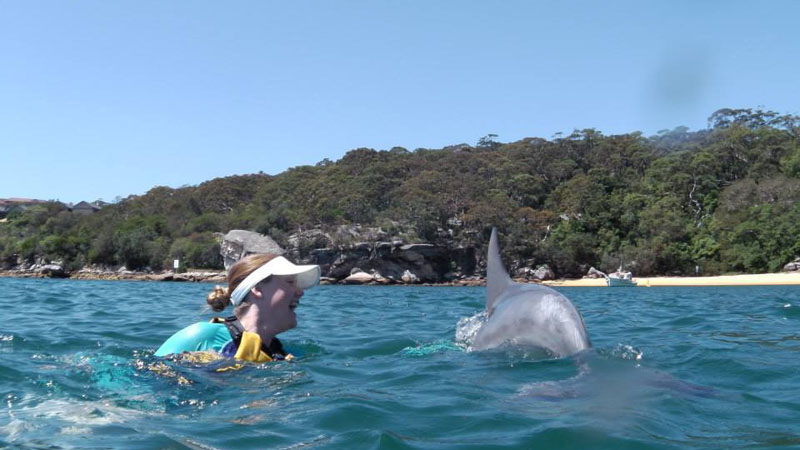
<point x="682" y="203"/>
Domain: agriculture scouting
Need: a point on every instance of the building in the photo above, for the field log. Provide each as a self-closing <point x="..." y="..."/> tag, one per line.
<point x="15" y="204"/>
<point x="85" y="208"/>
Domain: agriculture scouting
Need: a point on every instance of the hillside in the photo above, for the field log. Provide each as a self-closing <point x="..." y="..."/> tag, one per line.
<point x="726" y="199"/>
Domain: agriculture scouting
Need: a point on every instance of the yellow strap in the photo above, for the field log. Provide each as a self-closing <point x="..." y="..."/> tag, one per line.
<point x="250" y="349"/>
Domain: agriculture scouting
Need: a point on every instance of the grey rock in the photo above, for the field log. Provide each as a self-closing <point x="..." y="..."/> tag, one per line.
<point x="341" y="252"/>
<point x="523" y="272"/>
<point x="382" y="250"/>
<point x="421" y="248"/>
<point x="167" y="276"/>
<point x="372" y="234"/>
<point x="327" y="280"/>
<point x="359" y="278"/>
<point x="380" y="279"/>
<point x="361" y="246"/>
<point x="426" y="273"/>
<point x="219" y="278"/>
<point x="322" y="256"/>
<point x="543" y="272"/>
<point x="52" y="271"/>
<point x="594" y="273"/>
<point x="387" y="268"/>
<point x="240" y="243"/>
<point x="411" y="256"/>
<point x="793" y="266"/>
<point x="409" y="278"/>
<point x="314" y="238"/>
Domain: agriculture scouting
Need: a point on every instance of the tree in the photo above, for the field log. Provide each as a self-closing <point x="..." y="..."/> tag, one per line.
<point x="488" y="141"/>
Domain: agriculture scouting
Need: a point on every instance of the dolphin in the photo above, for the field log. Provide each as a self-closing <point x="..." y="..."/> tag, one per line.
<point x="527" y="315"/>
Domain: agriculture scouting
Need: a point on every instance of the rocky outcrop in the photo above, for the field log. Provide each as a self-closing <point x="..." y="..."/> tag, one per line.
<point x="594" y="273"/>
<point x="239" y="243"/>
<point x="543" y="272"/>
<point x="348" y="254"/>
<point x="352" y="254"/>
<point x="303" y="242"/>
<point x="38" y="270"/>
<point x="387" y="261"/>
<point x="409" y="278"/>
<point x="52" y="271"/>
<point x="360" y="277"/>
<point x="793" y="266"/>
<point x="100" y="273"/>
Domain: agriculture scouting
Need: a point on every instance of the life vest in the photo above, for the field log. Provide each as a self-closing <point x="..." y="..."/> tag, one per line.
<point x="247" y="346"/>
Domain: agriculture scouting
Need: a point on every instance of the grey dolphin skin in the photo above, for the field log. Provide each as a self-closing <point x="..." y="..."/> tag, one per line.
<point x="527" y="315"/>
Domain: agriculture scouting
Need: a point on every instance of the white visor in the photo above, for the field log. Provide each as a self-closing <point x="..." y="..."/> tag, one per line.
<point x="306" y="276"/>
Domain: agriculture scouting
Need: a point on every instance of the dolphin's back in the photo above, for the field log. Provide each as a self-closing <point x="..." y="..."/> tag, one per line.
<point x="527" y="315"/>
<point x="534" y="316"/>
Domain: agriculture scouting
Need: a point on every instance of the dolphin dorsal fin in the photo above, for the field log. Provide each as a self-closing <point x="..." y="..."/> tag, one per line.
<point x="497" y="279"/>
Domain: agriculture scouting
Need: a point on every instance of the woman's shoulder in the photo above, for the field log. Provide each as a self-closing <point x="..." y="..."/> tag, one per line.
<point x="202" y="329"/>
<point x="200" y="336"/>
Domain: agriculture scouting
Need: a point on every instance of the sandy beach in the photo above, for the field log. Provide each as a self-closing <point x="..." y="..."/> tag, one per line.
<point x="762" y="279"/>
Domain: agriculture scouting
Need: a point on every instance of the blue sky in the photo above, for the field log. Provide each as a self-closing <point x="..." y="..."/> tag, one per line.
<point x="101" y="99"/>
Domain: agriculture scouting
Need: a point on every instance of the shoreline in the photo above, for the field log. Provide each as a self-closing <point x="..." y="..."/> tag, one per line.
<point x="190" y="277"/>
<point x="198" y="276"/>
<point x="762" y="279"/>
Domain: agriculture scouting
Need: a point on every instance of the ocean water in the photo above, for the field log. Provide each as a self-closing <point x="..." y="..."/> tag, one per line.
<point x="382" y="367"/>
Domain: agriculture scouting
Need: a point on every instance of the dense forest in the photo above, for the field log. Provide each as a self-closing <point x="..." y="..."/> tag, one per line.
<point x="726" y="198"/>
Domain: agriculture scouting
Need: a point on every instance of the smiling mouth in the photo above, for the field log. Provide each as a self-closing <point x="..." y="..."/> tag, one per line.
<point x="293" y="305"/>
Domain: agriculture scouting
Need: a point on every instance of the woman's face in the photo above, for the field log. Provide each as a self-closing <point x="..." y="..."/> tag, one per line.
<point x="280" y="297"/>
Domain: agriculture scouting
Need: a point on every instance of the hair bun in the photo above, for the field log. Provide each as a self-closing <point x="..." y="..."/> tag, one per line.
<point x="219" y="298"/>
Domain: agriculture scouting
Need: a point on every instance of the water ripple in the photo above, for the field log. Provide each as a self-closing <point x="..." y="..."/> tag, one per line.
<point x="386" y="367"/>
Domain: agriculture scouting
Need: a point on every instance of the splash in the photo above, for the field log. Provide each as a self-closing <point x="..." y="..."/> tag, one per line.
<point x="626" y="352"/>
<point x="431" y="348"/>
<point x="467" y="328"/>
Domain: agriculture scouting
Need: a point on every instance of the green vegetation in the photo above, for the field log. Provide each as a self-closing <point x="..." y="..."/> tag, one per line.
<point x="726" y="198"/>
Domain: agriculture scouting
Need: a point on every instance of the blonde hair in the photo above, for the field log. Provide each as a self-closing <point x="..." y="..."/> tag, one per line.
<point x="220" y="297"/>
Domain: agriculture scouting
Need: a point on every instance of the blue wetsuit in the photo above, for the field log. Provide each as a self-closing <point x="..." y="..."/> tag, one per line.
<point x="225" y="337"/>
<point x="198" y="337"/>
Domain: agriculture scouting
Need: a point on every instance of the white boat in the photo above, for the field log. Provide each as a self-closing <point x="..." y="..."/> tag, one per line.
<point x="620" y="278"/>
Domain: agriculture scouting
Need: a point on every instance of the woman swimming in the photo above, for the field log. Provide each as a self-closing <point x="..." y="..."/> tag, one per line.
<point x="264" y="290"/>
